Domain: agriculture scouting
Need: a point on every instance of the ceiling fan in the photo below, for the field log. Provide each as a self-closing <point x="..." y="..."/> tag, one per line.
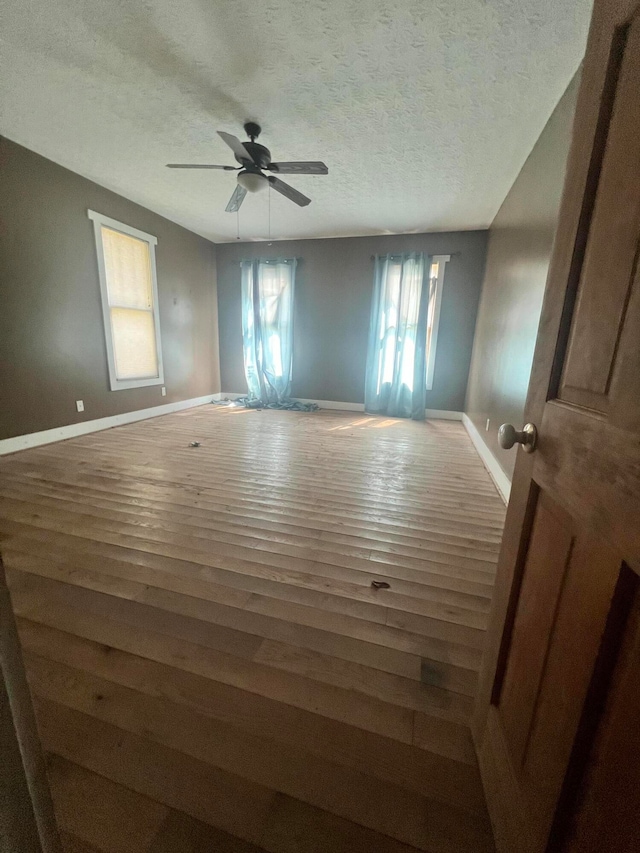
<point x="254" y="159"/>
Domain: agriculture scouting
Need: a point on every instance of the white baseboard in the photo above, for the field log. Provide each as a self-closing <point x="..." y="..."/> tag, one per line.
<point x="503" y="483"/>
<point x="34" y="439"/>
<point x="440" y="414"/>
<point x="220" y="395"/>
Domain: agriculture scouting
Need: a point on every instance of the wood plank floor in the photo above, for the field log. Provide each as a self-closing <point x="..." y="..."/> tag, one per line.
<point x="211" y="666"/>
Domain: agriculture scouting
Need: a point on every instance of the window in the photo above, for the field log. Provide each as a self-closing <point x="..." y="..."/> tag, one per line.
<point x="403" y="334"/>
<point x="398" y="323"/>
<point x="436" y="283"/>
<point x="391" y="318"/>
<point x="129" y="290"/>
<point x="267" y="287"/>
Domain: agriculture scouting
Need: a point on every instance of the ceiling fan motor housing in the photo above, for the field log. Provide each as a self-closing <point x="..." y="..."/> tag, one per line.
<point x="261" y="156"/>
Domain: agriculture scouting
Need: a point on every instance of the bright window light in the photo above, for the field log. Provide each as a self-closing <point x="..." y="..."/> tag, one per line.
<point x="129" y="291"/>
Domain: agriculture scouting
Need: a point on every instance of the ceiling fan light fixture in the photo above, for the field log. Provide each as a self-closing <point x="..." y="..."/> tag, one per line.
<point x="253" y="182"/>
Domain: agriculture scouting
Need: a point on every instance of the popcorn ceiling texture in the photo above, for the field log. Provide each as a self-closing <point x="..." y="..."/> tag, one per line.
<point x="424" y="110"/>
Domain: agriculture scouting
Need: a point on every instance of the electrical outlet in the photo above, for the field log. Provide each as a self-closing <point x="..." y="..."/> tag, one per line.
<point x="164" y="391"/>
<point x="488" y="425"/>
<point x="80" y="405"/>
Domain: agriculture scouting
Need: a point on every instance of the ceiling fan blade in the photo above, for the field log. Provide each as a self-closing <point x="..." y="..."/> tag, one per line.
<point x="236" y="199"/>
<point x="236" y="146"/>
<point x="288" y="191"/>
<point x="200" y="166"/>
<point x="313" y="167"/>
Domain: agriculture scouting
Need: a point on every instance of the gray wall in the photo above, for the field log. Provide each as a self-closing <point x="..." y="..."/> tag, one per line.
<point x="332" y="308"/>
<point x="52" y="349"/>
<point x="518" y="254"/>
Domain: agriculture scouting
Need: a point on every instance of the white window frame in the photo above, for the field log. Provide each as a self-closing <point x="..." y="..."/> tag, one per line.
<point x="442" y="261"/>
<point x="98" y="222"/>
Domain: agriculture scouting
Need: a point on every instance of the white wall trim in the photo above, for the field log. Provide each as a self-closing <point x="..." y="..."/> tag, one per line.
<point x="34" y="439"/>
<point x="228" y="395"/>
<point x="338" y="405"/>
<point x="442" y="261"/>
<point x="443" y="415"/>
<point x="98" y="222"/>
<point x="502" y="481"/>
<point x="121" y="226"/>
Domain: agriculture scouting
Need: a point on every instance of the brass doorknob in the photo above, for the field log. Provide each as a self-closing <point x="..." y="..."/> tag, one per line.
<point x="508" y="435"/>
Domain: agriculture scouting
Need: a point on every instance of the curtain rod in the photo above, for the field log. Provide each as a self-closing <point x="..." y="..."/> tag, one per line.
<point x="269" y="260"/>
<point x="432" y="254"/>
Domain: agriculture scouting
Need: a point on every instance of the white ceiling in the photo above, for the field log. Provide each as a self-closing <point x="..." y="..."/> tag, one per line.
<point x="424" y="110"/>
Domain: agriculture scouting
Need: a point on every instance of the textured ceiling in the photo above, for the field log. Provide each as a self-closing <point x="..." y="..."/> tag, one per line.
<point x="424" y="110"/>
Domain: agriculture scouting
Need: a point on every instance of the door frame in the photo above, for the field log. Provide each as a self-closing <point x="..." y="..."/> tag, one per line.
<point x="593" y="111"/>
<point x="28" y="809"/>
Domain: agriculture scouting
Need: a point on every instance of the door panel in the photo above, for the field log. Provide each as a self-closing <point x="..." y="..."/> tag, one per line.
<point x="609" y="803"/>
<point x="625" y="382"/>
<point x="599" y="488"/>
<point x="581" y="616"/>
<point x="560" y="645"/>
<point x="545" y="567"/>
<point x="611" y="250"/>
<point x="563" y="603"/>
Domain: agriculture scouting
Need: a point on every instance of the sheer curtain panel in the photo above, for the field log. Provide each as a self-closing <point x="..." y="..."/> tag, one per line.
<point x="267" y="326"/>
<point x="395" y="382"/>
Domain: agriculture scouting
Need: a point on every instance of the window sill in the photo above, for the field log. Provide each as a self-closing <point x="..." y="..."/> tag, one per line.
<point x="124" y="384"/>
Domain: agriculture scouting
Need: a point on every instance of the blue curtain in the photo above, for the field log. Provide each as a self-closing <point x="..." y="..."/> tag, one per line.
<point x="267" y="327"/>
<point x="395" y="382"/>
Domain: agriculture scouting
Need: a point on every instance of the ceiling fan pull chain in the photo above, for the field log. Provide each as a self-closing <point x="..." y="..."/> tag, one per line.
<point x="238" y="223"/>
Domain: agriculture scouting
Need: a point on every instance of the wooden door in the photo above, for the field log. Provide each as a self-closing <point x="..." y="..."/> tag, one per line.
<point x="27" y="820"/>
<point x="558" y="719"/>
